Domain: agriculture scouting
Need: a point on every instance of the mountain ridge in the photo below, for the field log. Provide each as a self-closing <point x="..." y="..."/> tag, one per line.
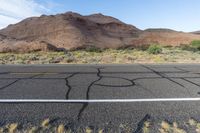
<point x="196" y="32"/>
<point x="72" y="31"/>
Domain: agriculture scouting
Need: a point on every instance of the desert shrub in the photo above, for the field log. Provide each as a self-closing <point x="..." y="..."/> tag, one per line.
<point x="93" y="49"/>
<point x="154" y="49"/>
<point x="196" y="44"/>
<point x="189" y="48"/>
<point x="70" y="59"/>
<point x="137" y="47"/>
<point x="142" y="47"/>
<point x="168" y="46"/>
<point x="126" y="48"/>
<point x="90" y="49"/>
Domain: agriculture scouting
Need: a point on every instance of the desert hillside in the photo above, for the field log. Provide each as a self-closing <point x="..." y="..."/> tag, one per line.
<point x="196" y="32"/>
<point x="73" y="31"/>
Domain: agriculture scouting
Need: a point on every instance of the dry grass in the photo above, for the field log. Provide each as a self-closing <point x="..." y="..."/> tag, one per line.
<point x="146" y="127"/>
<point x="12" y="127"/>
<point x="32" y="130"/>
<point x="168" y="55"/>
<point x="45" y="123"/>
<point x="100" y="131"/>
<point x="170" y="128"/>
<point x="61" y="129"/>
<point x="161" y="127"/>
<point x="195" y="124"/>
<point x="88" y="130"/>
<point x="125" y="128"/>
<point x="192" y="122"/>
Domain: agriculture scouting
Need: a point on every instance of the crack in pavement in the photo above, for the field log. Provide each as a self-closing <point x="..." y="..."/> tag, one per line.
<point x="191" y="83"/>
<point x="94" y="83"/>
<point x="185" y="71"/>
<point x="100" y="77"/>
<point x="68" y="85"/>
<point x="87" y="93"/>
<point x="84" y="106"/>
<point x="132" y="82"/>
<point x="131" y="85"/>
<point x="163" y="75"/>
<point x="10" y="84"/>
<point x="184" y="78"/>
<point x="166" y="77"/>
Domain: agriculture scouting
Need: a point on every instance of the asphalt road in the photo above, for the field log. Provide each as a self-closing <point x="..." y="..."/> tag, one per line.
<point x="99" y="82"/>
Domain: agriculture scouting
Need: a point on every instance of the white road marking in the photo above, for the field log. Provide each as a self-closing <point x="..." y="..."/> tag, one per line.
<point x="96" y="100"/>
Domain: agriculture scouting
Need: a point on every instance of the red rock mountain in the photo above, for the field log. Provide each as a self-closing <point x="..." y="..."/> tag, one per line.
<point x="71" y="31"/>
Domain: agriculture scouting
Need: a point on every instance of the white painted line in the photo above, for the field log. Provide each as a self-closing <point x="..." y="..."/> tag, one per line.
<point x="96" y="100"/>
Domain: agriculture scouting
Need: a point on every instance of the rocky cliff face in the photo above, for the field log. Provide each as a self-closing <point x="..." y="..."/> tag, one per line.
<point x="71" y="31"/>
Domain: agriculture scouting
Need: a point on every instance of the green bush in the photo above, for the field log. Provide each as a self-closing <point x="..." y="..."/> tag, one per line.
<point x="196" y="44"/>
<point x="154" y="49"/>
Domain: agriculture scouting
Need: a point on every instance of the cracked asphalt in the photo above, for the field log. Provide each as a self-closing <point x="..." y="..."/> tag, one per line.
<point x="100" y="82"/>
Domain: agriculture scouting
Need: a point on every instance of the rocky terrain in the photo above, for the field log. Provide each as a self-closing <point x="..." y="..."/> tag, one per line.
<point x="73" y="31"/>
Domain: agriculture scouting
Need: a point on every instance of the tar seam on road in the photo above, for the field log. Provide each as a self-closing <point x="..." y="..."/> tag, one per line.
<point x="191" y="82"/>
<point x="181" y="69"/>
<point x="161" y="75"/>
<point x="164" y="76"/>
<point x="68" y="85"/>
<point x="9" y="84"/>
<point x="131" y="82"/>
<point x="18" y="79"/>
<point x="85" y="104"/>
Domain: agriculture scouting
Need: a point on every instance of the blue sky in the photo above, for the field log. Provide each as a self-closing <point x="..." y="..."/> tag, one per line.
<point x="181" y="15"/>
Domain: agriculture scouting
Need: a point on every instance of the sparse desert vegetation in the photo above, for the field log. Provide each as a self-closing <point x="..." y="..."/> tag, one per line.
<point x="153" y="54"/>
<point x="194" y="46"/>
<point x="148" y="126"/>
<point x="167" y="127"/>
